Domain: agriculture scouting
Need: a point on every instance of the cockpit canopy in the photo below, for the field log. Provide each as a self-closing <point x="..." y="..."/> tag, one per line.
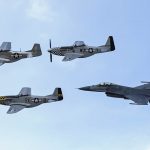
<point x="79" y="43"/>
<point x="105" y="84"/>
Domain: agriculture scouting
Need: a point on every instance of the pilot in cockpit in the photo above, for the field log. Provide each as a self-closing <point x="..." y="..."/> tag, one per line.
<point x="105" y="84"/>
<point x="79" y="43"/>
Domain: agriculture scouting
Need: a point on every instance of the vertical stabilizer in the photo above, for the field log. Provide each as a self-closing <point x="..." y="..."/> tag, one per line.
<point x="58" y="93"/>
<point x="36" y="50"/>
<point x="110" y="42"/>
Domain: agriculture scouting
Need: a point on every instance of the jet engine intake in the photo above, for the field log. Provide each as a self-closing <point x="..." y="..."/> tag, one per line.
<point x="115" y="95"/>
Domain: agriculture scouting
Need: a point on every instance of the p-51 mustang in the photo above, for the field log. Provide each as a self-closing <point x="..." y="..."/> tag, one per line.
<point x="80" y="50"/>
<point x="8" y="56"/>
<point x="140" y="95"/>
<point x="25" y="100"/>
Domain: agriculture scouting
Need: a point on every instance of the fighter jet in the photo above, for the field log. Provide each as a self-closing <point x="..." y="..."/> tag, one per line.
<point x="80" y="50"/>
<point x="140" y="95"/>
<point x="8" y="56"/>
<point x="25" y="100"/>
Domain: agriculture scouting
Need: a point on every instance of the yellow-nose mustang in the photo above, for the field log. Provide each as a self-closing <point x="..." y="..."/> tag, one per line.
<point x="25" y="100"/>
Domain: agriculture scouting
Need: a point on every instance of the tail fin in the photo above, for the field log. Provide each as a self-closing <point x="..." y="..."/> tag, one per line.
<point x="110" y="42"/>
<point x="58" y="93"/>
<point x="36" y="50"/>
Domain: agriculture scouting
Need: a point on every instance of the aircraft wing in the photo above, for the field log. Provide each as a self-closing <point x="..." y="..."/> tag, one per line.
<point x="144" y="86"/>
<point x="71" y="56"/>
<point x="139" y="99"/>
<point x="26" y="91"/>
<point x="3" y="60"/>
<point x="15" y="108"/>
<point x="6" y="46"/>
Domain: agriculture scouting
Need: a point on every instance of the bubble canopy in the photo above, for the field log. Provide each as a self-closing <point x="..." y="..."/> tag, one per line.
<point x="79" y="43"/>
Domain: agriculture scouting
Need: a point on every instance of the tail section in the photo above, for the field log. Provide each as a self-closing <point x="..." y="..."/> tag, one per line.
<point x="110" y="42"/>
<point x="58" y="94"/>
<point x="36" y="50"/>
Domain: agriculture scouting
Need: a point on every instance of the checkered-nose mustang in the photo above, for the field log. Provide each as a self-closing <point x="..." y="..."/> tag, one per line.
<point x="25" y="100"/>
<point x="9" y="56"/>
<point x="80" y="50"/>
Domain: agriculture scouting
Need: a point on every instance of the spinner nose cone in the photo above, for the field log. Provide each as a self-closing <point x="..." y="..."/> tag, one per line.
<point x="50" y="50"/>
<point x="54" y="50"/>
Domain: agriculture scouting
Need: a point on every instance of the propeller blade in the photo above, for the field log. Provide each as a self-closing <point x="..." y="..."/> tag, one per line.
<point x="50" y="43"/>
<point x="51" y="57"/>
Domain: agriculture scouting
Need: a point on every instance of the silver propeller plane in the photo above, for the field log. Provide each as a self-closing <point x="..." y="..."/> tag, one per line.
<point x="9" y="56"/>
<point x="80" y="50"/>
<point x="25" y="100"/>
<point x="140" y="95"/>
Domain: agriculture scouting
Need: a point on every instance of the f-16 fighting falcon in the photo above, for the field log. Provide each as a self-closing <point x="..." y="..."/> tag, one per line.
<point x="25" y="100"/>
<point x="80" y="50"/>
<point x="140" y="95"/>
<point x="8" y="56"/>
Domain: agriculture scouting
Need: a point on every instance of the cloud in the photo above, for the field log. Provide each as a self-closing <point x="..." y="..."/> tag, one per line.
<point x="39" y="10"/>
<point x="10" y="5"/>
<point x="147" y="147"/>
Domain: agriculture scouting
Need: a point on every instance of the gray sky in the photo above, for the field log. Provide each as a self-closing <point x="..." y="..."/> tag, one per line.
<point x="84" y="120"/>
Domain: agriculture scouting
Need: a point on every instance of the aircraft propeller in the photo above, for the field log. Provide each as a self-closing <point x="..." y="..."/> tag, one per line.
<point x="50" y="45"/>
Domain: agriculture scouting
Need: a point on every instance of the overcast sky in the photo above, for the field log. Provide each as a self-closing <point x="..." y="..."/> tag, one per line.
<point x="84" y="120"/>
